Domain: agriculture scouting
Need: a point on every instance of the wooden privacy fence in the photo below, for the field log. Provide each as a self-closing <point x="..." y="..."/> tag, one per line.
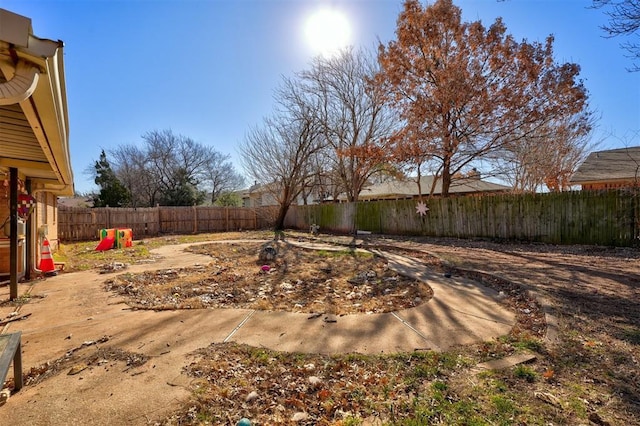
<point x="83" y="224"/>
<point x="602" y="218"/>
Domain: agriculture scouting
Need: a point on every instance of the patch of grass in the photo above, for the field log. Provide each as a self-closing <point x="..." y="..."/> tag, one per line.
<point x="504" y="406"/>
<point x="424" y="371"/>
<point x="351" y="421"/>
<point x="83" y="256"/>
<point x="439" y="386"/>
<point x="356" y="357"/>
<point x="523" y="342"/>
<point x="525" y="372"/>
<point x="500" y="386"/>
<point x="578" y="406"/>
<point x="260" y="355"/>
<point x="80" y="256"/>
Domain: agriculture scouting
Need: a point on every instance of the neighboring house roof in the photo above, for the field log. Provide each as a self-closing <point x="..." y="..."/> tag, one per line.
<point x="254" y="190"/>
<point x="409" y="188"/>
<point x="34" y="126"/>
<point x="75" y="201"/>
<point x="613" y="165"/>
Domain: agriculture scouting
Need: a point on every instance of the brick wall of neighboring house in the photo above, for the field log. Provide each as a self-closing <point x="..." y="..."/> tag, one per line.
<point x="608" y="185"/>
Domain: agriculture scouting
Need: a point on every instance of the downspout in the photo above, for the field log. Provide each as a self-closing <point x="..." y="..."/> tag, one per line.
<point x="35" y="253"/>
<point x="28" y="264"/>
<point x="13" y="233"/>
<point x="22" y="84"/>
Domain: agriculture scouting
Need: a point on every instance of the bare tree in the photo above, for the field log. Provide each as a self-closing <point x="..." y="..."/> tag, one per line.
<point x="353" y="117"/>
<point x="547" y="156"/>
<point x="463" y="91"/>
<point x="220" y="177"/>
<point x="172" y="170"/>
<point x="278" y="154"/>
<point x="624" y="20"/>
<point x="130" y="164"/>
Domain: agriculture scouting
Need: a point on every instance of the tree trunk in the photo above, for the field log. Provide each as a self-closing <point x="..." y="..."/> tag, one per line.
<point x="446" y="176"/>
<point x="282" y="213"/>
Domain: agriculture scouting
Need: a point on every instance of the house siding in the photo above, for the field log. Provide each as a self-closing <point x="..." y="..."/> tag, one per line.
<point x="45" y="213"/>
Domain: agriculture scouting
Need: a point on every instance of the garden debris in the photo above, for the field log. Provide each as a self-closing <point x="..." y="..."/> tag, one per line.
<point x="15" y="318"/>
<point x="548" y="398"/>
<point x="112" y="267"/>
<point x="295" y="281"/>
<point x="595" y="418"/>
<point x="4" y="396"/>
<point x="77" y="369"/>
<point x="77" y="361"/>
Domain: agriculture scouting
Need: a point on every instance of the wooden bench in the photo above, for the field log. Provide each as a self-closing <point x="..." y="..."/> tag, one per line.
<point x="10" y="350"/>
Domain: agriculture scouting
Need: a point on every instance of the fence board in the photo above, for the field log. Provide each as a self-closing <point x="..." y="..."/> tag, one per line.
<point x="579" y="217"/>
<point x="83" y="224"/>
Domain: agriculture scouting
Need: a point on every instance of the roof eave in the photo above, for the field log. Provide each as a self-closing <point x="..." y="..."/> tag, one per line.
<point x="46" y="110"/>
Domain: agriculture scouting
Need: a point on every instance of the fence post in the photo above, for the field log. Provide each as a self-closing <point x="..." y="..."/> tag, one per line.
<point x="195" y="219"/>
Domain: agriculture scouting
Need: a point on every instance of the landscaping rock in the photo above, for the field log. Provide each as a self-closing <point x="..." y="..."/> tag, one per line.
<point x="268" y="253"/>
<point x="315" y="381"/>
<point x="299" y="417"/>
<point x="253" y="395"/>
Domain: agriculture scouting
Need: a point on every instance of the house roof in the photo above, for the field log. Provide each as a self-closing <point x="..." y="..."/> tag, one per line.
<point x="75" y="201"/>
<point x="409" y="188"/>
<point x="609" y="166"/>
<point x="34" y="126"/>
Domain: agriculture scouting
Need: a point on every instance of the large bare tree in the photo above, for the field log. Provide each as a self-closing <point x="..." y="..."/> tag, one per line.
<point x="353" y="118"/>
<point x="279" y="153"/>
<point x="464" y="91"/>
<point x="172" y="169"/>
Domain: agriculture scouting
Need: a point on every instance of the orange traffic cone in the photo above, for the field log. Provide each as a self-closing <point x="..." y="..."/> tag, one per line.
<point x="46" y="261"/>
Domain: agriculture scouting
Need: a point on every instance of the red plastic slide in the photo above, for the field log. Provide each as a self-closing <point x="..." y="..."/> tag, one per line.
<point x="105" y="244"/>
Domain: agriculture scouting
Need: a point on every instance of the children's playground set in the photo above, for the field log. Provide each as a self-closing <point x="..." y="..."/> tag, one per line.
<point x="114" y="238"/>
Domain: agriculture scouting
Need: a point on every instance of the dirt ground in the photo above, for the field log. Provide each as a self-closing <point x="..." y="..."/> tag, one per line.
<point x="296" y="280"/>
<point x="593" y="292"/>
<point x="590" y="374"/>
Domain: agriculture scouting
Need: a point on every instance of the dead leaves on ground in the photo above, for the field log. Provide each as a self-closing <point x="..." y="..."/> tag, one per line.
<point x="298" y="280"/>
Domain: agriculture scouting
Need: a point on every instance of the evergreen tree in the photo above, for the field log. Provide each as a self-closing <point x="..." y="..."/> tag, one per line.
<point x="228" y="199"/>
<point x="112" y="191"/>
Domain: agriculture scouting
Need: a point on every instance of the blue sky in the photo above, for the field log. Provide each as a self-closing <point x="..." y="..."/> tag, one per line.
<point x="206" y="69"/>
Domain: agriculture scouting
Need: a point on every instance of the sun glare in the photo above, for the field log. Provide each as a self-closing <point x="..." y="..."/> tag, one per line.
<point x="327" y="31"/>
